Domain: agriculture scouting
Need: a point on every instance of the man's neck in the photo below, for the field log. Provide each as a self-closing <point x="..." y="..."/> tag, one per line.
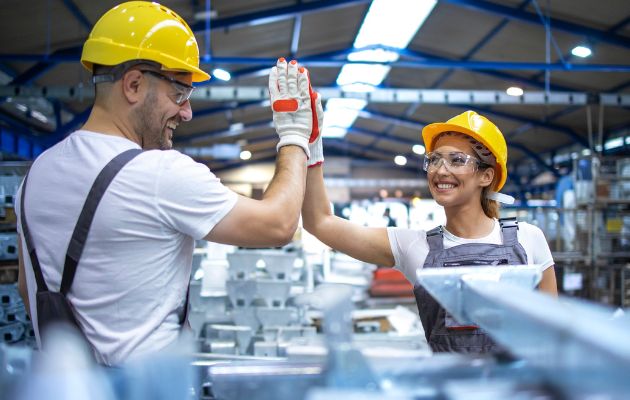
<point x="109" y="123"/>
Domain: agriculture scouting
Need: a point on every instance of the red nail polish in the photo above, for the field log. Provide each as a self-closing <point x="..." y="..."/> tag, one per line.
<point x="301" y="69"/>
<point x="293" y="62"/>
<point x="281" y="59"/>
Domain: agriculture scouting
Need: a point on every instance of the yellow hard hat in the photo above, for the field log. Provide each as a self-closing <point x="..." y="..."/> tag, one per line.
<point x="478" y="127"/>
<point x="141" y="30"/>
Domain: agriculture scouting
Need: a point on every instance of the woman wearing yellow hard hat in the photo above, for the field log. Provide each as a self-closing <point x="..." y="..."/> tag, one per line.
<point x="466" y="165"/>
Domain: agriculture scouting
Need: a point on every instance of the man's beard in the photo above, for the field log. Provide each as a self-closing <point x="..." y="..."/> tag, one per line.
<point x="146" y="124"/>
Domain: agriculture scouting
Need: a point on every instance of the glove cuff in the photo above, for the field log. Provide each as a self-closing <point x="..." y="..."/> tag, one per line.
<point x="317" y="153"/>
<point x="296" y="140"/>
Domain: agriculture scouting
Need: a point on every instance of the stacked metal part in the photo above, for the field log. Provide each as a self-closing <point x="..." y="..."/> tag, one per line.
<point x="259" y="321"/>
<point x="15" y="325"/>
<point x="562" y="349"/>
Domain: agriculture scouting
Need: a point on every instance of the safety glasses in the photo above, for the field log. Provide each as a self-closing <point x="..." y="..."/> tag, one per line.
<point x="182" y="90"/>
<point x="455" y="162"/>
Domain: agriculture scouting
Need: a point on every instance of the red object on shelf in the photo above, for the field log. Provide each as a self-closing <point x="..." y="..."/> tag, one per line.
<point x="388" y="282"/>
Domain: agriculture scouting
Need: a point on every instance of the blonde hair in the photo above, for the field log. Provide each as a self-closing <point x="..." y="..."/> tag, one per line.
<point x="490" y="207"/>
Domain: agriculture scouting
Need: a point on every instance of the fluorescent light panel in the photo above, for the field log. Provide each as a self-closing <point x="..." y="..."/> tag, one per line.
<point x="613" y="143"/>
<point x="362" y="74"/>
<point x="391" y="23"/>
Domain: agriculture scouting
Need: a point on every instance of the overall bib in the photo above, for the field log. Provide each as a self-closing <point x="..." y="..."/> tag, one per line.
<point x="443" y="333"/>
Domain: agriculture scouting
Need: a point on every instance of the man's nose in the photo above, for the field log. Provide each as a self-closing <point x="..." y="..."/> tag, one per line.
<point x="185" y="111"/>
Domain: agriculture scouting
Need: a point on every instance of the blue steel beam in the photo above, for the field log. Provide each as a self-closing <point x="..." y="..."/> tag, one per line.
<point x="258" y="71"/>
<point x="493" y="73"/>
<point x="295" y="38"/>
<point x="63" y="130"/>
<point x="546" y="22"/>
<point x="478" y="46"/>
<point x="523" y="16"/>
<point x="528" y="125"/>
<point x="619" y="25"/>
<point x="78" y="14"/>
<point x="570" y="109"/>
<point x="222" y="133"/>
<point x="332" y="150"/>
<point x="276" y="14"/>
<point x="417" y="124"/>
<point x="536" y="157"/>
<point x="227" y="108"/>
<point x="433" y="63"/>
<point x="620" y="87"/>
<point x="563" y="129"/>
<point x="568" y="55"/>
<point x="45" y="63"/>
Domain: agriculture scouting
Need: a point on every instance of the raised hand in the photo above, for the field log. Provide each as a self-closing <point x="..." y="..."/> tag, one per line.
<point x="291" y="104"/>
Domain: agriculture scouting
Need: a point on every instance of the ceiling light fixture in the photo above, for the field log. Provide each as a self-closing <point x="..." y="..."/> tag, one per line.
<point x="400" y="160"/>
<point x="581" y="51"/>
<point x="418" y="149"/>
<point x="246" y="155"/>
<point x="221" y="74"/>
<point x="514" y="91"/>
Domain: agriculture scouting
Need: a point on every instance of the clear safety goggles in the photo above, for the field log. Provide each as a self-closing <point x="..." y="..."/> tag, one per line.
<point x="183" y="91"/>
<point x="455" y="162"/>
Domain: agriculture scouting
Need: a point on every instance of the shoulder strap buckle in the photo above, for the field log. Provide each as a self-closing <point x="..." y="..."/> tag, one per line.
<point x="508" y="223"/>
<point x="435" y="231"/>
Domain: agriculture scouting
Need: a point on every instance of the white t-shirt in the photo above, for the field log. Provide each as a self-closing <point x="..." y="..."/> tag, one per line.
<point x="130" y="286"/>
<point x="410" y="247"/>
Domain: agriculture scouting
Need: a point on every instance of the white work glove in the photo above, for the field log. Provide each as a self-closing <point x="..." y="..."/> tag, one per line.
<point x="316" y="148"/>
<point x="291" y="104"/>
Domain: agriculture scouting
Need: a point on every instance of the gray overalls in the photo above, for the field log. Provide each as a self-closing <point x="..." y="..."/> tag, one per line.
<point x="442" y="331"/>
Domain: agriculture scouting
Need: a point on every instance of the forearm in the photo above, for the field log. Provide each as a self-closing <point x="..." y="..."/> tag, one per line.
<point x="548" y="282"/>
<point x="316" y="206"/>
<point x="284" y="195"/>
<point x="370" y="245"/>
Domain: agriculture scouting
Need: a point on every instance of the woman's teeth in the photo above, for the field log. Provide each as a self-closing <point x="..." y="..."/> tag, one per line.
<point x="445" y="186"/>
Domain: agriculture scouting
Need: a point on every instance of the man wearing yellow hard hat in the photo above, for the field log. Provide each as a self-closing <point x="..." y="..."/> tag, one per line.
<point x="466" y="165"/>
<point x="109" y="216"/>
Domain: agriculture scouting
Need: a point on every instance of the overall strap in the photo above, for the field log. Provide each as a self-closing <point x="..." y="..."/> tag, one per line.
<point x="509" y="229"/>
<point x="39" y="277"/>
<point x="435" y="239"/>
<point x="79" y="236"/>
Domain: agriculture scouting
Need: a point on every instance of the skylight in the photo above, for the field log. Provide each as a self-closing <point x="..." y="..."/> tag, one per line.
<point x="390" y="23"/>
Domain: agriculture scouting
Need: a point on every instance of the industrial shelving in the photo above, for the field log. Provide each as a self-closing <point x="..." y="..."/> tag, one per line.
<point x="603" y="191"/>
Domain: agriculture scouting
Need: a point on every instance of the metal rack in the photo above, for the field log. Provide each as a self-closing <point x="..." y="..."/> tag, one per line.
<point x="603" y="192"/>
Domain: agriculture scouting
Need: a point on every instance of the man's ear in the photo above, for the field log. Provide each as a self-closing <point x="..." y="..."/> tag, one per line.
<point x="133" y="86"/>
<point x="487" y="176"/>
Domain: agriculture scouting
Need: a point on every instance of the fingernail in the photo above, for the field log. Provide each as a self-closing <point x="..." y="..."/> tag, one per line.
<point x="301" y="69"/>
<point x="281" y="59"/>
<point x="293" y="62"/>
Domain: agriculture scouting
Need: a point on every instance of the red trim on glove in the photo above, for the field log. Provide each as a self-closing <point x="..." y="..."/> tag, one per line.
<point x="313" y="96"/>
<point x="316" y="164"/>
<point x="285" y="105"/>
